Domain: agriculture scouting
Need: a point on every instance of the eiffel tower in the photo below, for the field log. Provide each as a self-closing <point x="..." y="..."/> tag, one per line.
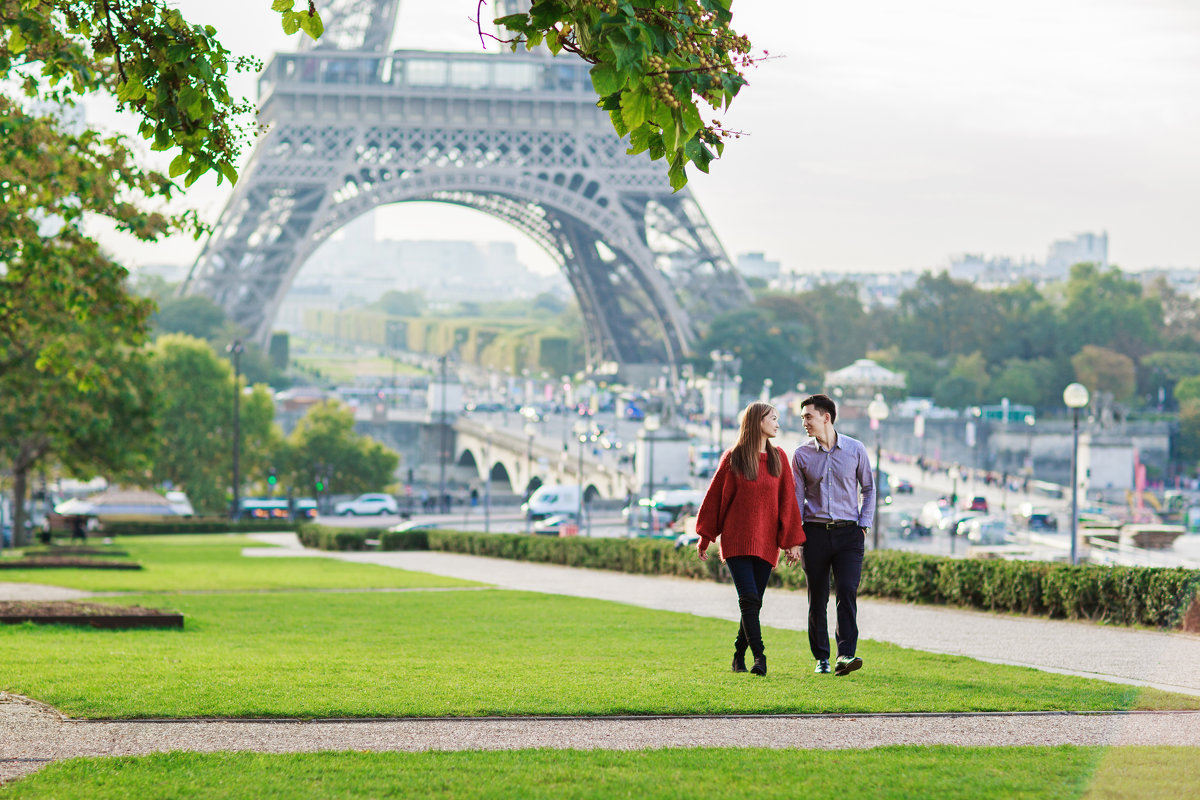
<point x="517" y="136"/>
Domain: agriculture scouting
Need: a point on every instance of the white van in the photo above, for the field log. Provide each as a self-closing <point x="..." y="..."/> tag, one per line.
<point x="552" y="499"/>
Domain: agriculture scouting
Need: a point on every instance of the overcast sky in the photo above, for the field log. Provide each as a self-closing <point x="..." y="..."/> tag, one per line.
<point x="889" y="136"/>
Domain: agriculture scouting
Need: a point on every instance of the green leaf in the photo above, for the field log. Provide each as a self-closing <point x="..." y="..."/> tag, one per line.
<point x="179" y="165"/>
<point x="290" y="23"/>
<point x="699" y="154"/>
<point x="229" y="172"/>
<point x="670" y="134"/>
<point x="514" y="22"/>
<point x="691" y="119"/>
<point x="312" y="25"/>
<point x="676" y="174"/>
<point x="16" y="43"/>
<point x="639" y="140"/>
<point x="636" y="106"/>
<point x="618" y="123"/>
<point x="282" y="5"/>
<point x="606" y="79"/>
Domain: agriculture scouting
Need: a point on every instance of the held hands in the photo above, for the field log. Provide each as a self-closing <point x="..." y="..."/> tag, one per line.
<point x="793" y="554"/>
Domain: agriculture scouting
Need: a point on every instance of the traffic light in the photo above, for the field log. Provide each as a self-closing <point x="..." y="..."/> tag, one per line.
<point x="272" y="478"/>
<point x="320" y="485"/>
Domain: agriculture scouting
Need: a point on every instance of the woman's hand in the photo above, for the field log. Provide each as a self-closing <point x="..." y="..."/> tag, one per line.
<point x="702" y="549"/>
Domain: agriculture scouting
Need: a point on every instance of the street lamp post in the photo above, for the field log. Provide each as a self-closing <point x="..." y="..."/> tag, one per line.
<point x="877" y="410"/>
<point x="1030" y="421"/>
<point x="487" y="485"/>
<point x="1075" y="396"/>
<point x="650" y="426"/>
<point x="236" y="349"/>
<point x="581" y="431"/>
<point x="442" y="504"/>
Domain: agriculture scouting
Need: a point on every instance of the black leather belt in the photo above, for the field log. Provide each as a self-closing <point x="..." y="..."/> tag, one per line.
<point x="831" y="524"/>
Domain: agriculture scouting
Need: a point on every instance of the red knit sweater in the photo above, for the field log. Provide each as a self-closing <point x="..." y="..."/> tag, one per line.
<point x="752" y="518"/>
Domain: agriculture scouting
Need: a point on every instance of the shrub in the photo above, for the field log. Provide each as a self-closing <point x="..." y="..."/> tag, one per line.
<point x="196" y="525"/>
<point x="1124" y="595"/>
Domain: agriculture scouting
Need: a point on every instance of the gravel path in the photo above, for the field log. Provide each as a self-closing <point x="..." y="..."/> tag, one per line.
<point x="32" y="735"/>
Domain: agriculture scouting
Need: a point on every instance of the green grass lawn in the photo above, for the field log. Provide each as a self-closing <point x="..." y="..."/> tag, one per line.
<point x="215" y="562"/>
<point x="489" y="652"/>
<point x="946" y="773"/>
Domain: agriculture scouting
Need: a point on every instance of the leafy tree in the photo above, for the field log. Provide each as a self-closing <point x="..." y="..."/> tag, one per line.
<point x="1187" y="443"/>
<point x="401" y="304"/>
<point x="1188" y="391"/>
<point x="325" y="436"/>
<point x="921" y="370"/>
<point x="1180" y="316"/>
<point x="1165" y="369"/>
<point x="942" y="316"/>
<point x="841" y="328"/>
<point x="1104" y="370"/>
<point x="1036" y="382"/>
<point x="964" y="385"/>
<point x="655" y="62"/>
<point x="770" y="345"/>
<point x="194" y="443"/>
<point x="1106" y="309"/>
<point x="195" y="315"/>
<point x="1027" y="326"/>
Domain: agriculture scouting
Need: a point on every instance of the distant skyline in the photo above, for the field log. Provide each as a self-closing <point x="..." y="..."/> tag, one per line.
<point x="884" y="136"/>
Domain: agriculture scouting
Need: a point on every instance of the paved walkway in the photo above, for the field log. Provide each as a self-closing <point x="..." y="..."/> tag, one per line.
<point x="1169" y="661"/>
<point x="32" y="735"/>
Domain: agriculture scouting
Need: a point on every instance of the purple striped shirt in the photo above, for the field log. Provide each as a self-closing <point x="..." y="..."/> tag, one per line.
<point x="828" y="481"/>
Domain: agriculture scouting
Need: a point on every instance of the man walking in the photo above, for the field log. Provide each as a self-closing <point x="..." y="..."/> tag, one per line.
<point x="836" y="493"/>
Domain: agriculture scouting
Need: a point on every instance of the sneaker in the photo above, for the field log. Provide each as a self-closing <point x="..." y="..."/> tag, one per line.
<point x="846" y="664"/>
<point x="823" y="667"/>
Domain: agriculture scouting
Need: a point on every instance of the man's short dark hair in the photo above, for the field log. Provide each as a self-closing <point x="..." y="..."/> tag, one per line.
<point x="821" y="402"/>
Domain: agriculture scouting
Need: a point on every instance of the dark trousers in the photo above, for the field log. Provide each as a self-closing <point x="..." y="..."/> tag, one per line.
<point x="839" y="550"/>
<point x="750" y="575"/>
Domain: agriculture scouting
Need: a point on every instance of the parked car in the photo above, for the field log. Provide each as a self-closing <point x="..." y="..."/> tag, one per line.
<point x="903" y="486"/>
<point x="640" y="516"/>
<point x="556" y="525"/>
<point x="551" y="499"/>
<point x="370" y="504"/>
<point x="978" y="503"/>
<point x="412" y="526"/>
<point x="907" y="526"/>
<point x="987" y="531"/>
<point x="1035" y="518"/>
<point x="935" y="515"/>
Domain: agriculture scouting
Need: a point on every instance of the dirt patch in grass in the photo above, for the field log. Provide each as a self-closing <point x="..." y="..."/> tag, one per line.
<point x="66" y="562"/>
<point x="97" y="615"/>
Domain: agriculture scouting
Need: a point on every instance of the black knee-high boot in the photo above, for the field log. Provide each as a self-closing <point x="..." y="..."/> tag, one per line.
<point x="739" y="650"/>
<point x="750" y="607"/>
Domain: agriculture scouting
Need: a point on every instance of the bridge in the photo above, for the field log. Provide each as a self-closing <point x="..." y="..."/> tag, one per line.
<point x="477" y="447"/>
<point x="517" y="136"/>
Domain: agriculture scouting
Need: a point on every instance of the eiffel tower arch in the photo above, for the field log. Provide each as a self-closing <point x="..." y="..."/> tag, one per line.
<point x="517" y="136"/>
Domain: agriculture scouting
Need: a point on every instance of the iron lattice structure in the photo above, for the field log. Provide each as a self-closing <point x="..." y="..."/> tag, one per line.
<point x="517" y="136"/>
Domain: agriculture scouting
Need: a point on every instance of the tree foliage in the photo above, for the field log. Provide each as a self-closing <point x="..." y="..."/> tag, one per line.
<point x="194" y="443"/>
<point x="655" y="63"/>
<point x="324" y="442"/>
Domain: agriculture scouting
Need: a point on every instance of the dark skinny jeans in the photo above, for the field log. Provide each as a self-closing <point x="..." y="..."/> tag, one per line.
<point x="750" y="575"/>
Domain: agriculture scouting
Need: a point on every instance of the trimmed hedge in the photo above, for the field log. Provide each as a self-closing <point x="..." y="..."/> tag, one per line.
<point x="1152" y="596"/>
<point x="196" y="525"/>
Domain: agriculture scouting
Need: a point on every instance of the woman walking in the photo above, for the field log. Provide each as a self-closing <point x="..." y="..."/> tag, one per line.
<point x="751" y="507"/>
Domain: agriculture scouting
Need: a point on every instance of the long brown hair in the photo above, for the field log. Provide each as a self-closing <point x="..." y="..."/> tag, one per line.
<point x="743" y="457"/>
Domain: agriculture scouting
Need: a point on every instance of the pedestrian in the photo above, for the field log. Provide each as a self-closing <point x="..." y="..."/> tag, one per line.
<point x="78" y="528"/>
<point x="836" y="495"/>
<point x="750" y="505"/>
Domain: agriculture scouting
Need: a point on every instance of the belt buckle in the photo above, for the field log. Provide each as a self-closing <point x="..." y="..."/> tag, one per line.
<point x="831" y="525"/>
